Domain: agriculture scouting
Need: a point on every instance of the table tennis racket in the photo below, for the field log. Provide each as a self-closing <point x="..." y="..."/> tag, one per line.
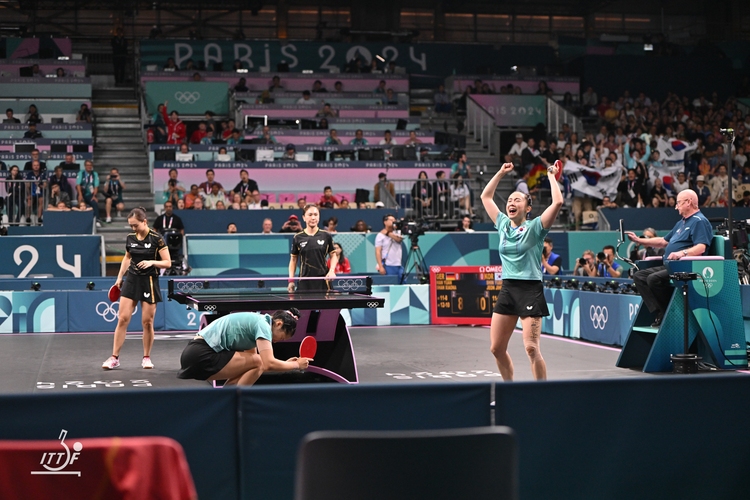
<point x="559" y="165"/>
<point x="308" y="347"/>
<point x="114" y="293"/>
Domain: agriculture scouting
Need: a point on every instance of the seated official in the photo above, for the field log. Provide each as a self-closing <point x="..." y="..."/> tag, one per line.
<point x="691" y="236"/>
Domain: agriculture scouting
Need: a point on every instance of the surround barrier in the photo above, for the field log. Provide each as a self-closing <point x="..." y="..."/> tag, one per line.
<point x="604" y="433"/>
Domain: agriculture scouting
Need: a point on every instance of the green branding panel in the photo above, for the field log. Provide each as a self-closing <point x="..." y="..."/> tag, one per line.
<point x="189" y="98"/>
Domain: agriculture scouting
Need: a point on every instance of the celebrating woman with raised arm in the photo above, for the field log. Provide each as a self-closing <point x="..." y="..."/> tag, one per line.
<point x="522" y="295"/>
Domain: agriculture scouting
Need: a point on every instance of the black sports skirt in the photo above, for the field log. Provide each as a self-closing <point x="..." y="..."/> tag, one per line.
<point x="141" y="288"/>
<point x="199" y="361"/>
<point x="522" y="298"/>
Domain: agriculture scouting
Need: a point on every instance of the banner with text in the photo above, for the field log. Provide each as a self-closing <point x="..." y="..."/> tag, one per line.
<point x="59" y="256"/>
<point x="263" y="56"/>
<point x="514" y="110"/>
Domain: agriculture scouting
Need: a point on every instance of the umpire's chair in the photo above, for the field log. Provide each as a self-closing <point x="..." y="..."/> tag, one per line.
<point x="173" y="239"/>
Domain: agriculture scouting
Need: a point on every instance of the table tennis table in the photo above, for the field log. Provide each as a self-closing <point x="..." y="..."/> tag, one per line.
<point x="320" y="317"/>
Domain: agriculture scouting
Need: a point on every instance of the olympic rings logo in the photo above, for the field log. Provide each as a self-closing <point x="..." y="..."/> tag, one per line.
<point x="209" y="307"/>
<point x="372" y="305"/>
<point x="187" y="97"/>
<point x="189" y="286"/>
<point x="109" y="312"/>
<point x="599" y="316"/>
<point x="349" y="284"/>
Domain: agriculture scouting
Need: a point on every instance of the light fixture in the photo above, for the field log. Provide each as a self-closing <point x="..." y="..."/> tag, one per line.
<point x="379" y="58"/>
<point x="90" y="285"/>
<point x="36" y="286"/>
<point x="242" y="70"/>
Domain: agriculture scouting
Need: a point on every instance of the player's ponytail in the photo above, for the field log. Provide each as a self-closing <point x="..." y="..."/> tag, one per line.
<point x="289" y="319"/>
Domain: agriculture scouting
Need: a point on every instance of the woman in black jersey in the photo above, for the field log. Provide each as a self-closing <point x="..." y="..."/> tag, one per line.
<point x="145" y="254"/>
<point x="312" y="247"/>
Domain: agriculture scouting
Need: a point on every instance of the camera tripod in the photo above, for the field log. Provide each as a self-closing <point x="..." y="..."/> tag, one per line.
<point x="415" y="262"/>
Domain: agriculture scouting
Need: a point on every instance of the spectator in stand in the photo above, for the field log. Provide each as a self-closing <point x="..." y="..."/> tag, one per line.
<point x="159" y="124"/>
<point x="246" y="186"/>
<point x="275" y="85"/>
<point x="113" y="195"/>
<point x="292" y="225"/>
<point x="703" y="192"/>
<point x="344" y="204"/>
<point x="551" y="262"/>
<point x="301" y="203"/>
<point x="629" y="191"/>
<point x="680" y="184"/>
<point x="384" y="191"/>
<point x="549" y="155"/>
<point x="33" y="116"/>
<point x="59" y="201"/>
<point x="214" y="197"/>
<point x="529" y="155"/>
<point x="193" y="195"/>
<point x="739" y="158"/>
<point x="342" y="266"/>
<point x="323" y="124"/>
<point x="253" y="201"/>
<point x="290" y="153"/>
<point x="306" y="100"/>
<point x="658" y="194"/>
<point x="35" y="157"/>
<point x="387" y="139"/>
<point x="207" y="187"/>
<point x="241" y="86"/>
<point x="327" y="112"/>
<point x="168" y="221"/>
<point x="719" y="182"/>
<point x="391" y="99"/>
<point x="236" y="137"/>
<point x="267" y="227"/>
<point x="318" y="87"/>
<point x="35" y="190"/>
<point x="388" y="249"/>
<point x="460" y="195"/>
<point x="88" y="186"/>
<point x="745" y="175"/>
<point x="32" y="132"/>
<point x="443" y="103"/>
<point x="465" y="225"/>
<point x="231" y="228"/>
<point x="338" y="87"/>
<point x="171" y="66"/>
<point x="421" y="195"/>
<point x="15" y="199"/>
<point x="360" y="227"/>
<point x="745" y="200"/>
<point x="58" y="177"/>
<point x="265" y="137"/>
<point x="333" y="138"/>
<point x="173" y="189"/>
<point x="208" y="139"/>
<point x="84" y="114"/>
<point x="514" y="155"/>
<point x="441" y="190"/>
<point x="461" y="166"/>
<point x="198" y="204"/>
<point x="608" y="203"/>
<point x="119" y="55"/>
<point x="328" y="200"/>
<point x="331" y="225"/>
<point x="265" y="98"/>
<point x="413" y="140"/>
<point x="197" y="136"/>
<point x="380" y="89"/>
<point x="9" y="118"/>
<point x="710" y="150"/>
<point x="359" y="139"/>
<point x="236" y="202"/>
<point x="176" y="130"/>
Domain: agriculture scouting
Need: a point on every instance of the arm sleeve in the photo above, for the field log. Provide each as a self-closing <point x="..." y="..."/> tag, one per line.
<point x="295" y="246"/>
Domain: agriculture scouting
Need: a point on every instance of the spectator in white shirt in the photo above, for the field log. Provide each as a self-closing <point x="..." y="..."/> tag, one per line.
<point x="740" y="159"/>
<point x="514" y="155"/>
<point x="306" y="99"/>
<point x="387" y="140"/>
<point x="680" y="184"/>
<point x="254" y="201"/>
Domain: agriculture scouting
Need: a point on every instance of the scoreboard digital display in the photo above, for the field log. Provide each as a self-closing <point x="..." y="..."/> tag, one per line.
<point x="463" y="295"/>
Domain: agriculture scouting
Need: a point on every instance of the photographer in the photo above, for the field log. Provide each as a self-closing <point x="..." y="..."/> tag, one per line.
<point x="551" y="262"/>
<point x="586" y="265"/>
<point x="173" y="189"/>
<point x="388" y="249"/>
<point x="113" y="194"/>
<point x="606" y="267"/>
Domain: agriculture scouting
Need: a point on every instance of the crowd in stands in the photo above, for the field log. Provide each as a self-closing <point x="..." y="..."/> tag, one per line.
<point x="632" y="132"/>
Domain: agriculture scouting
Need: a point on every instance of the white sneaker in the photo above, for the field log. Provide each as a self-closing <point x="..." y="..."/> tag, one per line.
<point x="109" y="220"/>
<point x="111" y="363"/>
<point x="119" y="214"/>
<point x="98" y="224"/>
<point x="146" y="363"/>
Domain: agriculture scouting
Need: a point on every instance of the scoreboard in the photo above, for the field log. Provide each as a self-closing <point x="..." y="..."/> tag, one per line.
<point x="463" y="295"/>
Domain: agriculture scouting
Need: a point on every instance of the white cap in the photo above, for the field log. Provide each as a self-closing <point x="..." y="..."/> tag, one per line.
<point x="700" y="178"/>
<point x="379" y="204"/>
